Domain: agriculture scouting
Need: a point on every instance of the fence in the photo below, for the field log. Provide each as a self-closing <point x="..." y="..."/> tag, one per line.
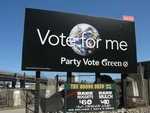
<point x="3" y="97"/>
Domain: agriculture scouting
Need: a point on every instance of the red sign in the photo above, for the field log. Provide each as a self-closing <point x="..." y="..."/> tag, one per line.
<point x="128" y="18"/>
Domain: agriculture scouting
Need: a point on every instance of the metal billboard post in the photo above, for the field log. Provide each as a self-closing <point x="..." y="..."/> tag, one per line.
<point x="97" y="78"/>
<point x="37" y="92"/>
<point x="69" y="77"/>
<point x="124" y="91"/>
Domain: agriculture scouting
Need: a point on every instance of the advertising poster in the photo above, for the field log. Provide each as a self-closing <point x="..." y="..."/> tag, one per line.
<point x="58" y="41"/>
<point x="90" y="97"/>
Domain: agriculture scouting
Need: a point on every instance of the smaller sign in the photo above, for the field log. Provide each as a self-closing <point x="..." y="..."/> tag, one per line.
<point x="128" y="18"/>
<point x="90" y="97"/>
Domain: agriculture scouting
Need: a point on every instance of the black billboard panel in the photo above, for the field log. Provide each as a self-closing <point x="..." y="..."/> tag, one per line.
<point x="90" y="97"/>
<point x="57" y="41"/>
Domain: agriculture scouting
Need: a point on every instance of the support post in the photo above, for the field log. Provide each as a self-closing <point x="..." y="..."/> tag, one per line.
<point x="97" y="78"/>
<point x="69" y="77"/>
<point x="124" y="91"/>
<point x="13" y="84"/>
<point x="23" y="82"/>
<point x="57" y="83"/>
<point x="37" y="92"/>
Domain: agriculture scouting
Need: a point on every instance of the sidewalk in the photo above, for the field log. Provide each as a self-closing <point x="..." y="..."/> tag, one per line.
<point x="14" y="111"/>
<point x="18" y="110"/>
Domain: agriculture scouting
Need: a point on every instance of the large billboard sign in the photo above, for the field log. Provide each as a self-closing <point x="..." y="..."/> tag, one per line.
<point x="57" y="41"/>
<point x="90" y="97"/>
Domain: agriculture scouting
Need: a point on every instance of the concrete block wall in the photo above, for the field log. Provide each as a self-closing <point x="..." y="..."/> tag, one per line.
<point x="138" y="85"/>
<point x="14" y="98"/>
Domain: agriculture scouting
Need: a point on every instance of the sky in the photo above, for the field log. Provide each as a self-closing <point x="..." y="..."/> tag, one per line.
<point x="12" y="25"/>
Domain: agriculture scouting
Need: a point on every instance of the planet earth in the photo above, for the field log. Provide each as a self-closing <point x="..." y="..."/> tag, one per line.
<point x="85" y="37"/>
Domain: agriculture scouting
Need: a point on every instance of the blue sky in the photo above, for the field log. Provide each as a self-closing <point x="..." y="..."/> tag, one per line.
<point x="12" y="24"/>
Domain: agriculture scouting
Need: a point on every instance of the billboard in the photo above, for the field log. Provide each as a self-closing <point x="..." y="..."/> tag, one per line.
<point x="90" y="97"/>
<point x="58" y="41"/>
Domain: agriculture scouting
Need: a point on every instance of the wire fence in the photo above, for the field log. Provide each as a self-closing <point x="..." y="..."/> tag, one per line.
<point x="3" y="97"/>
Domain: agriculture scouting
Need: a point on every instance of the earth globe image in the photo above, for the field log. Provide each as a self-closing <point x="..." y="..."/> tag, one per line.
<point x="85" y="39"/>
